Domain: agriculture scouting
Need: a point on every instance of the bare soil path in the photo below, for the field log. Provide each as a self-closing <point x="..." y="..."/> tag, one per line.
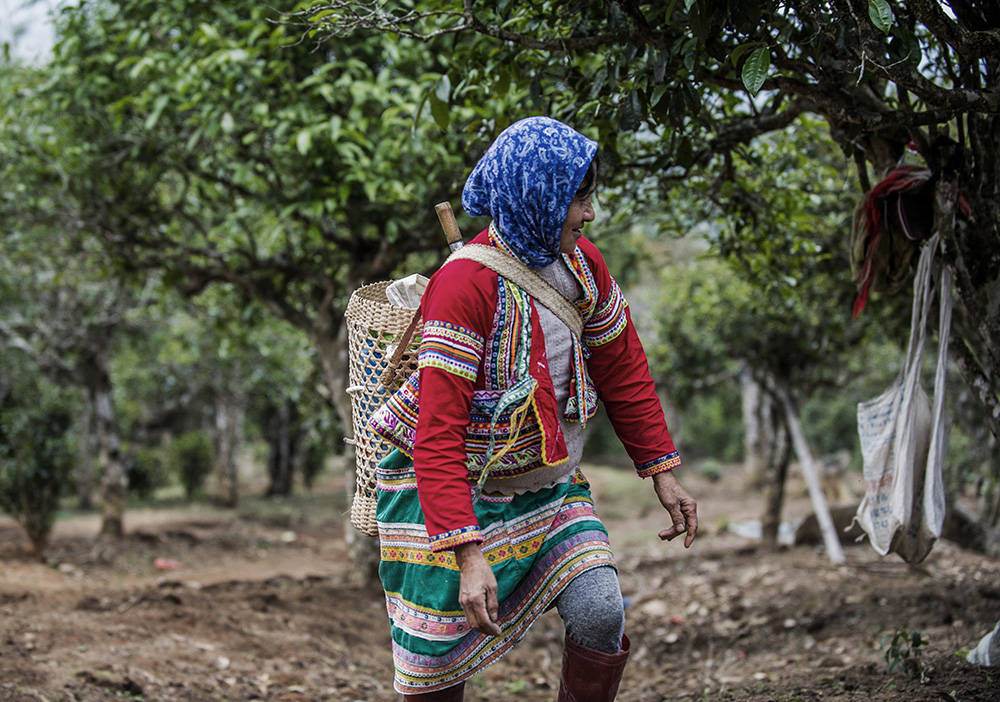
<point x="259" y="608"/>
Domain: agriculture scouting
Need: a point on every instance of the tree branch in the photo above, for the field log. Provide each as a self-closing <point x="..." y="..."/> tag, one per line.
<point x="970" y="44"/>
<point x="560" y="44"/>
<point x="904" y="74"/>
<point x="51" y="365"/>
<point x="342" y="18"/>
<point x="743" y="130"/>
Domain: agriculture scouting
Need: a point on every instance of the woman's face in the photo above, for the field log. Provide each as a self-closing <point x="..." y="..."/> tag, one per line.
<point x="581" y="210"/>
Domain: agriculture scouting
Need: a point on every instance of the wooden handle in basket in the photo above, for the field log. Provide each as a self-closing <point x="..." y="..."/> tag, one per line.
<point x="389" y="375"/>
<point x="451" y="231"/>
<point x="454" y="237"/>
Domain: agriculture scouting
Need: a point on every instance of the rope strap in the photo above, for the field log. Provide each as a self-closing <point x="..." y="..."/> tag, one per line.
<point x="526" y="278"/>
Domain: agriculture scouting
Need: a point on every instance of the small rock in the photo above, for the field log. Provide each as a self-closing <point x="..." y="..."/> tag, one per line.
<point x="655" y="609"/>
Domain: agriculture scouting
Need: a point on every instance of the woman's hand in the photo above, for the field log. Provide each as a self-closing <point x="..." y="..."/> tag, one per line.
<point x="477" y="591"/>
<point x="680" y="506"/>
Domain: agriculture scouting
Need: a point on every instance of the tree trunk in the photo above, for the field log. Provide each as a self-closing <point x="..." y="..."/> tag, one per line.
<point x="285" y="438"/>
<point x="970" y="247"/>
<point x="362" y="550"/>
<point x="759" y="434"/>
<point x="114" y="481"/>
<point x="774" y="489"/>
<point x="229" y="414"/>
<point x="85" y="458"/>
<point x="993" y="510"/>
<point x="964" y="529"/>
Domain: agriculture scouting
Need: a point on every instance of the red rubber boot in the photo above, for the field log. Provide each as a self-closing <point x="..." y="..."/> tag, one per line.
<point x="589" y="675"/>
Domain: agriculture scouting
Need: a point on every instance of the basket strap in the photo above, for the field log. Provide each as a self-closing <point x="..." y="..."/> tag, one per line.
<point x="523" y="276"/>
<point x="516" y="272"/>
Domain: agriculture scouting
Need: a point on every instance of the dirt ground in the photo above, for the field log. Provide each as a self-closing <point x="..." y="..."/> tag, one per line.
<point x="257" y="607"/>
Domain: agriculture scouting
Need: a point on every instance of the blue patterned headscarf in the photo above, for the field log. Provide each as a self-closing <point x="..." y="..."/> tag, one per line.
<point x="526" y="181"/>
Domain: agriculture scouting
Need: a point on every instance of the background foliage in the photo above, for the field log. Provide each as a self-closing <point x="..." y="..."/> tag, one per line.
<point x="190" y="191"/>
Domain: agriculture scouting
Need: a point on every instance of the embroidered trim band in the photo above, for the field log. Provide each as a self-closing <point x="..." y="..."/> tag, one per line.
<point x="658" y="465"/>
<point x="451" y="348"/>
<point x="608" y="320"/>
<point x="450" y="539"/>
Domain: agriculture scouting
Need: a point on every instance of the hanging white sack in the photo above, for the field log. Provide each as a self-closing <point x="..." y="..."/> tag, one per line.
<point x="903" y="442"/>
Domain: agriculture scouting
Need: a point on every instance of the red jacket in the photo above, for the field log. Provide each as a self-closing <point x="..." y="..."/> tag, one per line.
<point x="464" y="354"/>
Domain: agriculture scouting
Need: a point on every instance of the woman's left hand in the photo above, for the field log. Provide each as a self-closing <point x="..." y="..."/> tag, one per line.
<point x="681" y="507"/>
<point x="477" y="589"/>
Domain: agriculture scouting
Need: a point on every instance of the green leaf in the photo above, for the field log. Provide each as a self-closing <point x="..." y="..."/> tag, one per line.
<point x="880" y="14"/>
<point x="228" y="124"/>
<point x="439" y="110"/>
<point x="209" y="31"/>
<point x="443" y="89"/>
<point x="193" y="139"/>
<point x="503" y="81"/>
<point x="417" y="112"/>
<point x="755" y="70"/>
<point x="684" y="156"/>
<point x="158" y="106"/>
<point x="658" y="93"/>
<point x="690" y="50"/>
<point x="336" y="123"/>
<point x="660" y="66"/>
<point x="738" y="52"/>
<point x="303" y="141"/>
<point x="688" y="4"/>
<point x="140" y="66"/>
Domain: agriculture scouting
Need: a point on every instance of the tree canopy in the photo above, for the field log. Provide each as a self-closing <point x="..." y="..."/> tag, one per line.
<point x="216" y="147"/>
<point x="675" y="89"/>
<point x="269" y="159"/>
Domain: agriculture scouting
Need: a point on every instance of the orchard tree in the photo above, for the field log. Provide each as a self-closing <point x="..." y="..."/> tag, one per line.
<point x="58" y="305"/>
<point x="218" y="149"/>
<point x="216" y="146"/>
<point x="62" y="313"/>
<point x="36" y="456"/>
<point x="674" y="89"/>
<point x="205" y="364"/>
<point x="776" y="306"/>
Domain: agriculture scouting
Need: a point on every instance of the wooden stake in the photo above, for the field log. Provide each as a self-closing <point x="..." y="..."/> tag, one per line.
<point x="830" y="537"/>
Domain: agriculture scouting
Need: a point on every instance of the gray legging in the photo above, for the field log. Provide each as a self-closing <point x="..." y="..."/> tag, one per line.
<point x="591" y="607"/>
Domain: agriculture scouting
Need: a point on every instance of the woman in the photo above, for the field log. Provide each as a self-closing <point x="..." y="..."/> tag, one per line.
<point x="485" y="520"/>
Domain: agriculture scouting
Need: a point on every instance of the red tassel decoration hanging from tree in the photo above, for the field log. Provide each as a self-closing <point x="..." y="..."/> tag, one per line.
<point x="889" y="222"/>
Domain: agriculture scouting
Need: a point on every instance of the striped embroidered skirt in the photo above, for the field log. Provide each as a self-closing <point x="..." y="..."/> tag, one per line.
<point x="536" y="543"/>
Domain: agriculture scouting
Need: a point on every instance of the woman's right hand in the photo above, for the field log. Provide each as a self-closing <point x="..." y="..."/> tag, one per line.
<point x="477" y="589"/>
